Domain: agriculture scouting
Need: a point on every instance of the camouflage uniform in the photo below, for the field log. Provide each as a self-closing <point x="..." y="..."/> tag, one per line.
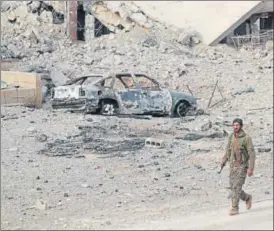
<point x="241" y="155"/>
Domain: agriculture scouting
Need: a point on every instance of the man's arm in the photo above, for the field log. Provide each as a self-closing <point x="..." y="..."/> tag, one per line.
<point x="251" y="153"/>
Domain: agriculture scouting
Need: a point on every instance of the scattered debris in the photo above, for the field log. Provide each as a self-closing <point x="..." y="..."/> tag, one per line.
<point x="41" y="205"/>
<point x="264" y="149"/>
<point x="155" y="143"/>
<point x="41" y="138"/>
<point x="246" y="90"/>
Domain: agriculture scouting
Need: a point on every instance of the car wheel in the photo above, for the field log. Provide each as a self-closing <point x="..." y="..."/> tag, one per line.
<point x="109" y="109"/>
<point x="182" y="109"/>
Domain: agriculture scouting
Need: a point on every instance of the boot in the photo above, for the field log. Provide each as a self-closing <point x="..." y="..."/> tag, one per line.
<point x="248" y="202"/>
<point x="234" y="211"/>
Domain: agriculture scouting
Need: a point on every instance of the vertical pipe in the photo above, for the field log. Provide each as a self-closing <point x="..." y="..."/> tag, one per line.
<point x="73" y="19"/>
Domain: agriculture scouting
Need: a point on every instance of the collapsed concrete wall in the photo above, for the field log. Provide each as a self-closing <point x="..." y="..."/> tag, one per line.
<point x="212" y="19"/>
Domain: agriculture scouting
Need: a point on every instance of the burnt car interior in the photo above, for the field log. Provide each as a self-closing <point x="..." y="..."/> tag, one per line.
<point x="147" y="83"/>
<point x="138" y="81"/>
<point x="86" y="80"/>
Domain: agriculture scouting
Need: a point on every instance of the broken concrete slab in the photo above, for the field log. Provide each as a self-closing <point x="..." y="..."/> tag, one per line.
<point x="57" y="77"/>
<point x="154" y="142"/>
<point x="201" y="16"/>
<point x="25" y="88"/>
<point x="110" y="19"/>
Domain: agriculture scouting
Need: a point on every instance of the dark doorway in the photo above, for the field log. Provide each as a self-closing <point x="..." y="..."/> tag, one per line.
<point x="81" y="23"/>
<point x="266" y="23"/>
<point x="100" y="29"/>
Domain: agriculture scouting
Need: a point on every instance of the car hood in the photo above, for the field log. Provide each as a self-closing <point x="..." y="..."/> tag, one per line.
<point x="181" y="95"/>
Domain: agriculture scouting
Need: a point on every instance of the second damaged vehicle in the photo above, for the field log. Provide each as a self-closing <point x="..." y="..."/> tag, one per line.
<point x="122" y="93"/>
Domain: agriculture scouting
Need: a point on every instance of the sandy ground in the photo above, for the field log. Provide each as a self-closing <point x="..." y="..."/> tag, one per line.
<point x="260" y="217"/>
<point x="134" y="187"/>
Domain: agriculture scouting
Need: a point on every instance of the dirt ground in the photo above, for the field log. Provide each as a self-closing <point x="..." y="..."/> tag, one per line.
<point x="94" y="188"/>
<point x="260" y="217"/>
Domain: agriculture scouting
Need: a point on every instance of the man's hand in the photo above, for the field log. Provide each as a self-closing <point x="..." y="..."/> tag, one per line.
<point x="223" y="164"/>
<point x="249" y="172"/>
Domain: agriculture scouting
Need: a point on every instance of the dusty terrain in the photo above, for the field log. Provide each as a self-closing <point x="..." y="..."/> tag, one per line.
<point x="261" y="217"/>
<point x="95" y="187"/>
<point x="61" y="170"/>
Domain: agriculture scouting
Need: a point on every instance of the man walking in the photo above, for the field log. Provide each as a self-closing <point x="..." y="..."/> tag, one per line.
<point x="241" y="157"/>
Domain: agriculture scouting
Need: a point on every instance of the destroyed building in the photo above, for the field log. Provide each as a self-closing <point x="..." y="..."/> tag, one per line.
<point x="256" y="24"/>
<point x="84" y="20"/>
<point x="239" y="18"/>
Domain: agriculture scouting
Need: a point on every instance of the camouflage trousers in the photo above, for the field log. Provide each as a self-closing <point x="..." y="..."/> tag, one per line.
<point x="236" y="181"/>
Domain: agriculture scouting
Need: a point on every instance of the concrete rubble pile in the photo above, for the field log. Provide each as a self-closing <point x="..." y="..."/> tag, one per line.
<point x="30" y="34"/>
<point x="34" y="32"/>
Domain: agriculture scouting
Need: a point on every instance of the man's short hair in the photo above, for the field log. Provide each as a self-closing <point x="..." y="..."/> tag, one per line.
<point x="238" y="120"/>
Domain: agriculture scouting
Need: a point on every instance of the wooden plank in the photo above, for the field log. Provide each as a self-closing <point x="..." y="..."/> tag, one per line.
<point x="209" y="102"/>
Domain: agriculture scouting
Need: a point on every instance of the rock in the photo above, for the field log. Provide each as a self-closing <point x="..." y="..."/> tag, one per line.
<point x="193" y="137"/>
<point x="41" y="138"/>
<point x="28" y="68"/>
<point x="57" y="77"/>
<point x="14" y="51"/>
<point x="269" y="45"/>
<point x="66" y="195"/>
<point x="34" y="6"/>
<point x="13" y="149"/>
<point x="85" y="185"/>
<point x="241" y="91"/>
<point x="217" y="134"/>
<point x="44" y="92"/>
<point x="139" y="18"/>
<point x="206" y="126"/>
<point x="11" y="117"/>
<point x="12" y="16"/>
<point x="88" y="61"/>
<point x="259" y="175"/>
<point x="46" y="48"/>
<point x="41" y="205"/>
<point x="150" y="42"/>
<point x="189" y="38"/>
<point x="167" y="175"/>
<point x="264" y="149"/>
<point x="33" y="36"/>
<point x="31" y="129"/>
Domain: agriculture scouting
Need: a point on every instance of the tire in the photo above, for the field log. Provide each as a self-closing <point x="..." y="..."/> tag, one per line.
<point x="109" y="109"/>
<point x="182" y="109"/>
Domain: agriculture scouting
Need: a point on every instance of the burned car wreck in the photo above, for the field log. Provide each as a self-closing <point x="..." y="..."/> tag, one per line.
<point x="122" y="93"/>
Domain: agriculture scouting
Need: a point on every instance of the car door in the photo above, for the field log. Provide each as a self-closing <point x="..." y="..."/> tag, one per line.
<point x="134" y="99"/>
<point x="159" y="99"/>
